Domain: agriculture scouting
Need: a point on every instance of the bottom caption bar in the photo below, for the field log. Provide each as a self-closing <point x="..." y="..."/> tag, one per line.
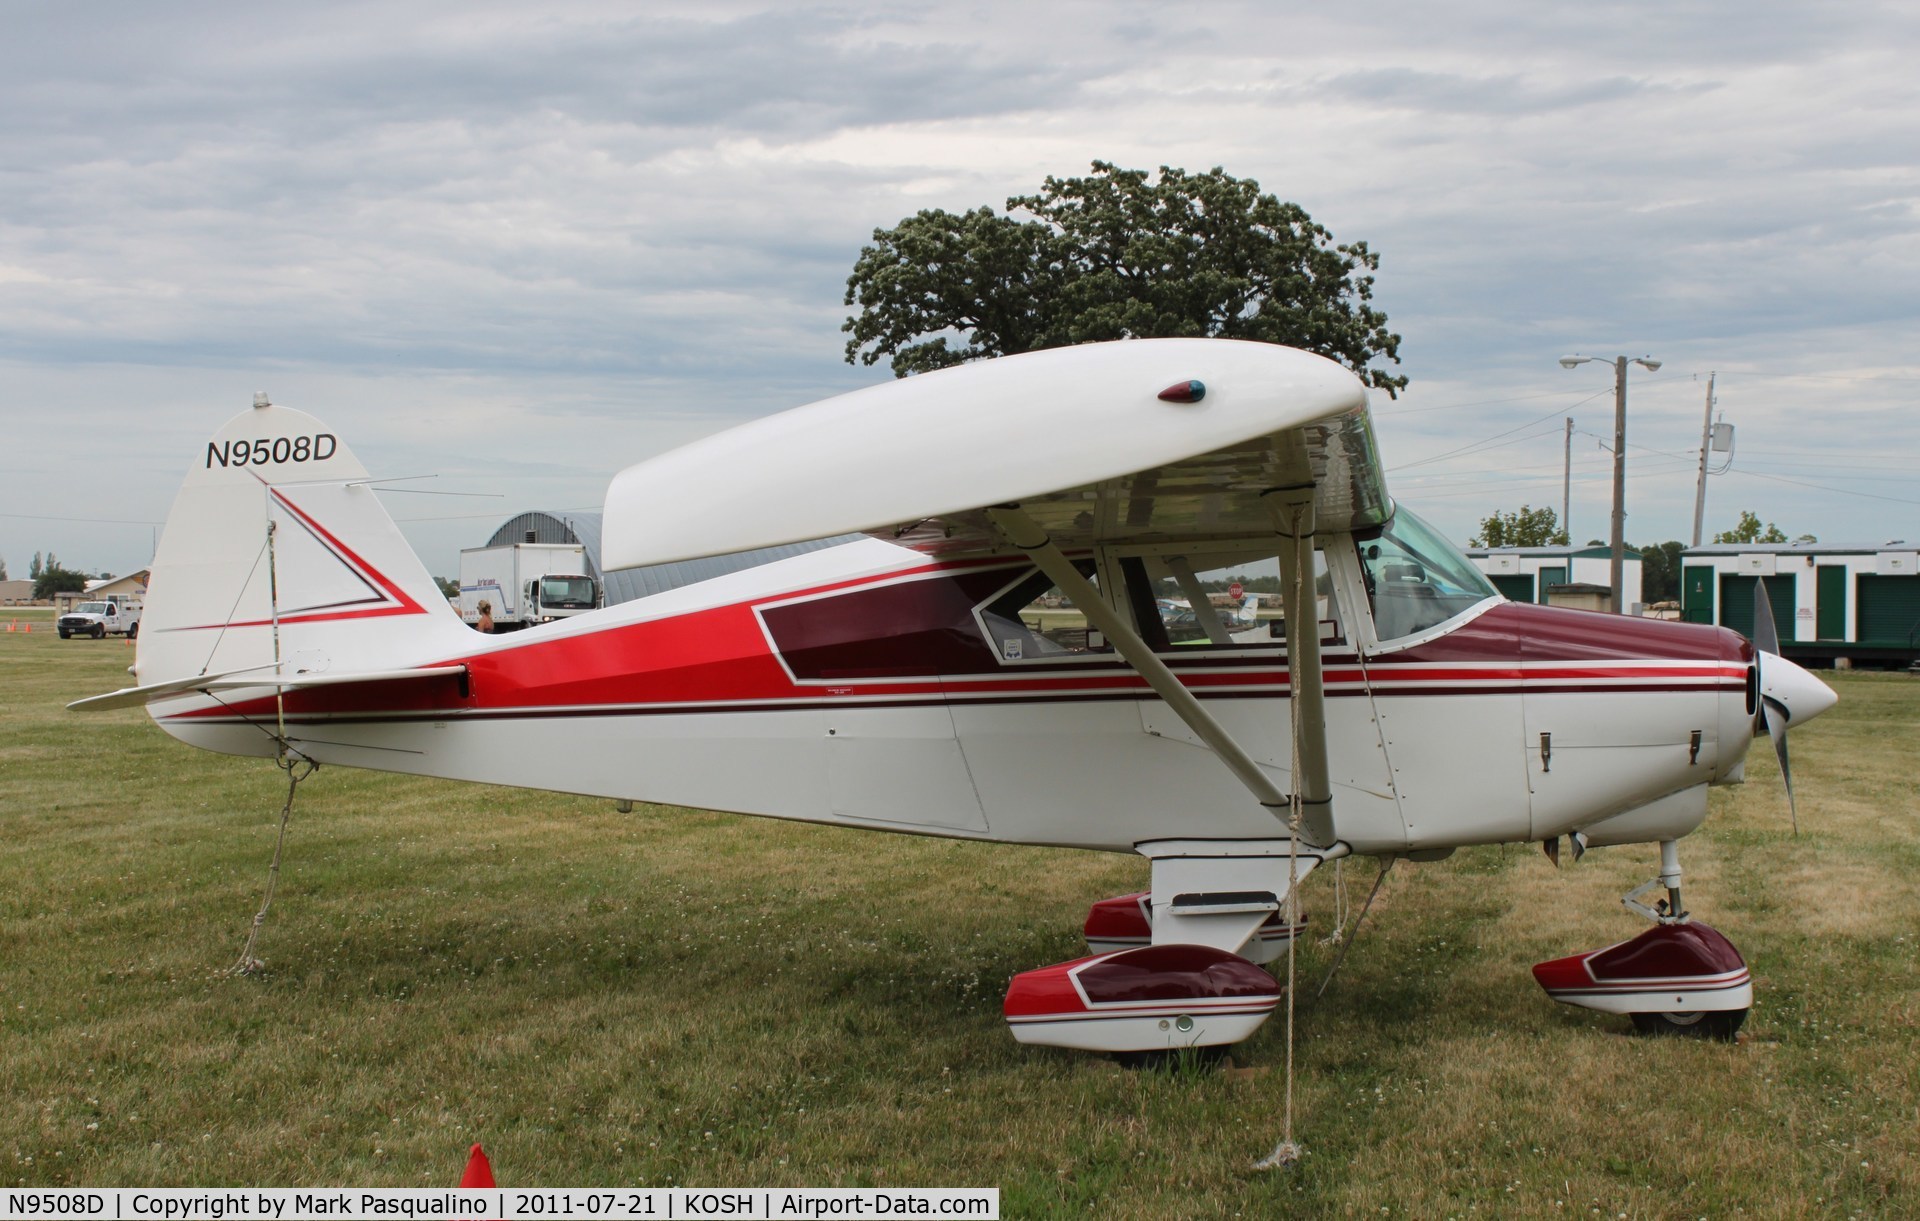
<point x="494" y="1204"/>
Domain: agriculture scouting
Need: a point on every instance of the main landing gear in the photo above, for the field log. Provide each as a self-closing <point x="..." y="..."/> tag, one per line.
<point x="1172" y="974"/>
<point x="1678" y="977"/>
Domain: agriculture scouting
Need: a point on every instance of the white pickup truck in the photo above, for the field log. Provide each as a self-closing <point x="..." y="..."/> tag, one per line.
<point x="97" y="619"/>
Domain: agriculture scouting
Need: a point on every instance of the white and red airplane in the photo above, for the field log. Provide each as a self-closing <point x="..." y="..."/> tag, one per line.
<point x="909" y="681"/>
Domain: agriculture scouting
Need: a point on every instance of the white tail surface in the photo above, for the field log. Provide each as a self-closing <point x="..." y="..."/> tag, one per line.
<point x="278" y="551"/>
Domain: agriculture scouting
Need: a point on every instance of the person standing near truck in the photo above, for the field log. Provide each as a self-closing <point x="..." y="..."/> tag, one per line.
<point x="486" y="616"/>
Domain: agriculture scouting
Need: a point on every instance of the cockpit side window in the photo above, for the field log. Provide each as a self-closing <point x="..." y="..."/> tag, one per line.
<point x="1415" y="578"/>
<point x="1032" y="620"/>
<point x="1205" y="600"/>
<point x="1228" y="600"/>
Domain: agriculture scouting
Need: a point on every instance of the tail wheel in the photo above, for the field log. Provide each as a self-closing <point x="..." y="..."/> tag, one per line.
<point x="1721" y="1024"/>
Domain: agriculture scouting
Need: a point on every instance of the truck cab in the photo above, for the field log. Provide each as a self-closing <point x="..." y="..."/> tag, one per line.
<point x="557" y="597"/>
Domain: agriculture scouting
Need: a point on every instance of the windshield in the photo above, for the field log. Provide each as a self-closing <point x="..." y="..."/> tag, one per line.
<point x="566" y="591"/>
<point x="1416" y="578"/>
<point x="91" y="608"/>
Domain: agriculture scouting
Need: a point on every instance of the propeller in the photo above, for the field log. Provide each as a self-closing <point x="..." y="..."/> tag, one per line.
<point x="1769" y="713"/>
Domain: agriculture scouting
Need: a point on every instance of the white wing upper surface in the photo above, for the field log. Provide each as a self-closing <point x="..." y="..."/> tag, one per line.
<point x="1079" y="437"/>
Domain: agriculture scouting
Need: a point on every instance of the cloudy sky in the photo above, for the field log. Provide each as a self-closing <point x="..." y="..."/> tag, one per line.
<point x="524" y="246"/>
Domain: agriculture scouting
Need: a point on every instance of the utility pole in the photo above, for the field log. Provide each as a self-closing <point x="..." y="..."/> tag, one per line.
<point x="1566" y="486"/>
<point x="1619" y="567"/>
<point x="1619" y="465"/>
<point x="1706" y="438"/>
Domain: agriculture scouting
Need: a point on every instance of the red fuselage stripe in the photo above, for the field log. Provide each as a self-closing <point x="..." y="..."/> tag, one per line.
<point x="720" y="659"/>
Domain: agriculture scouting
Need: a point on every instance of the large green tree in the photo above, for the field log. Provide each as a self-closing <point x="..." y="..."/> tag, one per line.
<point x="1749" y="530"/>
<point x="1529" y="527"/>
<point x="1118" y="254"/>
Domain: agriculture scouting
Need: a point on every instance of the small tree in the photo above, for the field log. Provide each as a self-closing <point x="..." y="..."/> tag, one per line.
<point x="33" y="572"/>
<point x="1749" y="530"/>
<point x="3" y="568"/>
<point x="1530" y="527"/>
<point x="55" y="580"/>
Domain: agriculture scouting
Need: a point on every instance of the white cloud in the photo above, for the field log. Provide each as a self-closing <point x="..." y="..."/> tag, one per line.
<point x="572" y="237"/>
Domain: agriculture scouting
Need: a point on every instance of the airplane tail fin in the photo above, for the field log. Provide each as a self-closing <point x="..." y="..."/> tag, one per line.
<point x="1249" y="611"/>
<point x="278" y="553"/>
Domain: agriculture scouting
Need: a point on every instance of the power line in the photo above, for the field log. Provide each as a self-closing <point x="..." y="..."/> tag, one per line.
<point x="1544" y="481"/>
<point x="1906" y="478"/>
<point x="1818" y="487"/>
<point x="1831" y="453"/>
<point x="1824" y="377"/>
<point x="92" y="521"/>
<point x="1822" y="487"/>
<point x="1518" y="398"/>
<point x="1483" y="443"/>
<point x="490" y="516"/>
<point x="1588" y="475"/>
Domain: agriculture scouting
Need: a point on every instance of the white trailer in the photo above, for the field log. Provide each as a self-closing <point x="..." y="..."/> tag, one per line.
<point x="1526" y="574"/>
<point x="526" y="583"/>
<point x="1858" y="601"/>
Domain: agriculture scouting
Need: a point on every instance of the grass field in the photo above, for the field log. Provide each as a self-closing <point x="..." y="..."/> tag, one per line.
<point x="673" y="997"/>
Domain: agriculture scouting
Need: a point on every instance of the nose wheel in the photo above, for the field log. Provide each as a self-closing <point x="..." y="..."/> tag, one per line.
<point x="1721" y="1024"/>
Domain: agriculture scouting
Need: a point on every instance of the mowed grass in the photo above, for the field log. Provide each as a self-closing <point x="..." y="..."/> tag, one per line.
<point x="675" y="997"/>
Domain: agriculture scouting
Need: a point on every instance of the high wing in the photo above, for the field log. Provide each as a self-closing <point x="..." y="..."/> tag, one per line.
<point x="1117" y="444"/>
<point x="1079" y="437"/>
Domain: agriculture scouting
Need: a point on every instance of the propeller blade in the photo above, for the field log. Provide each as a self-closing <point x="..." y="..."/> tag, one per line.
<point x="1765" y="636"/>
<point x="1774" y="714"/>
<point x="1770" y="712"/>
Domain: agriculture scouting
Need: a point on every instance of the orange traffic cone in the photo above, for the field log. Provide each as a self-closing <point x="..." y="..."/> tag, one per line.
<point x="479" y="1170"/>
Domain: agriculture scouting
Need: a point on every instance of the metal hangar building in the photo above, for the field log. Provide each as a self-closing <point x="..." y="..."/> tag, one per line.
<point x="625" y="585"/>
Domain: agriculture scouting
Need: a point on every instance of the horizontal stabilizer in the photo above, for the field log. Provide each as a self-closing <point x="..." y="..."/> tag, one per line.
<point x="231" y="680"/>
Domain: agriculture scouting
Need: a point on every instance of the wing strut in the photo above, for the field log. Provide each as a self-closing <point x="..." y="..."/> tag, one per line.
<point x="1292" y="513"/>
<point x="1023" y="532"/>
<point x="1202" y="605"/>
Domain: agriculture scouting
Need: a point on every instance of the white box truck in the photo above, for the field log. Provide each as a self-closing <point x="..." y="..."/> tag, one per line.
<point x="526" y="583"/>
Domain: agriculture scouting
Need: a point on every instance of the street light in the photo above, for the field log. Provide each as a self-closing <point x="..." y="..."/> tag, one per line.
<point x="1619" y="466"/>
